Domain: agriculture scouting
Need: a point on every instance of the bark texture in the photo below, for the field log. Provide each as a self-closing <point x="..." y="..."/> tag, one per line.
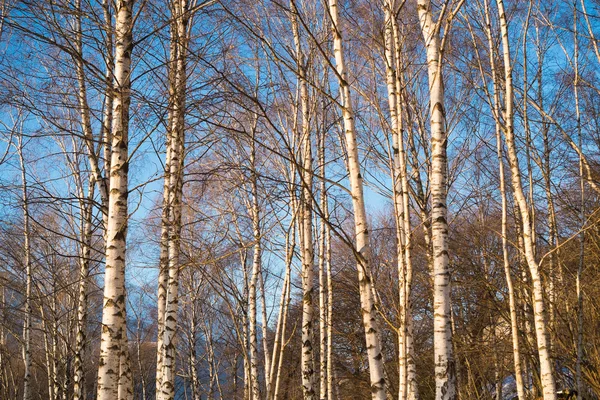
<point x="539" y="307"/>
<point x="445" y="369"/>
<point x="114" y="332"/>
<point x="362" y="250"/>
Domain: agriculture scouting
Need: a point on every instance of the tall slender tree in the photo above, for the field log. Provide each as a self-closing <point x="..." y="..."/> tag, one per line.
<point x="112" y="369"/>
<point x="362" y="251"/>
<point x="306" y="217"/>
<point x="546" y="370"/>
<point x="445" y="369"/>
<point x="27" y="262"/>
<point x="174" y="188"/>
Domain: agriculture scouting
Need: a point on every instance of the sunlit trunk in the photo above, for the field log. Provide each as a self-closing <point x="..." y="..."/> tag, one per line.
<point x="114" y="332"/>
<point x="256" y="270"/>
<point x="505" y="257"/>
<point x="174" y="176"/>
<point x="27" y="391"/>
<point x="546" y="371"/>
<point x="363" y="250"/>
<point x="445" y="370"/>
<point x="581" y="263"/>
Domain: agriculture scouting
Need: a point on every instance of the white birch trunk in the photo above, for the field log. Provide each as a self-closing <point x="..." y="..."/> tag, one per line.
<point x="87" y="210"/>
<point x="546" y="371"/>
<point x="193" y="359"/>
<point x="283" y="341"/>
<point x="125" y="390"/>
<point x="397" y="195"/>
<point x="505" y="258"/>
<point x="279" y="345"/>
<point x="86" y="124"/>
<point x="163" y="263"/>
<point x="445" y="371"/>
<point x="48" y="355"/>
<point x="177" y="101"/>
<point x="256" y="267"/>
<point x="278" y="340"/>
<point x="363" y="250"/>
<point x="264" y="326"/>
<point x="245" y="325"/>
<point x="407" y="388"/>
<point x="581" y="263"/>
<point x="163" y="275"/>
<point x="323" y="338"/>
<point x="306" y="236"/>
<point x="113" y="314"/>
<point x="163" y="266"/>
<point x="330" y="376"/>
<point x="82" y="304"/>
<point x="105" y="128"/>
<point x="402" y="162"/>
<point x="27" y="392"/>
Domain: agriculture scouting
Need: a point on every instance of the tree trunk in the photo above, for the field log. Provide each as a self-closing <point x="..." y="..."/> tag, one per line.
<point x="280" y="343"/>
<point x="84" y="111"/>
<point x="407" y="388"/>
<point x="174" y="177"/>
<point x="306" y="236"/>
<point x="362" y="250"/>
<point x="256" y="270"/>
<point x="264" y="326"/>
<point x="86" y="205"/>
<point x="445" y="370"/>
<point x="323" y="337"/>
<point x="114" y="331"/>
<point x="27" y="391"/>
<point x="82" y="304"/>
<point x="330" y="382"/>
<point x="581" y="263"/>
<point x="546" y="372"/>
<point x="505" y="258"/>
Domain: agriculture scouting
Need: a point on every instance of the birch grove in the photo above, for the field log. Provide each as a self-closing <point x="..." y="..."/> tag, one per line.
<point x="215" y="199"/>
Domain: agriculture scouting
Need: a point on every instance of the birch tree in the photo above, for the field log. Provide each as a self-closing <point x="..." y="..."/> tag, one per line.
<point x="407" y="388"/>
<point x="504" y="205"/>
<point x="114" y="330"/>
<point x="306" y="217"/>
<point x="362" y="250"/>
<point x="174" y="188"/>
<point x="546" y="370"/>
<point x="445" y="372"/>
<point x="27" y="262"/>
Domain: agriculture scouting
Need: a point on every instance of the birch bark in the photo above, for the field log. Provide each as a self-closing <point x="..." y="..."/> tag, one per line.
<point x="27" y="391"/>
<point x="581" y="263"/>
<point x="87" y="209"/>
<point x="256" y="267"/>
<point x="407" y="388"/>
<point x="330" y="395"/>
<point x="82" y="303"/>
<point x="445" y="371"/>
<point x="503" y="197"/>
<point x="327" y="266"/>
<point x="307" y="248"/>
<point x="279" y="342"/>
<point x="177" y="93"/>
<point x="363" y="250"/>
<point x="323" y="337"/>
<point x="114" y="331"/>
<point x="290" y="246"/>
<point x="546" y="373"/>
